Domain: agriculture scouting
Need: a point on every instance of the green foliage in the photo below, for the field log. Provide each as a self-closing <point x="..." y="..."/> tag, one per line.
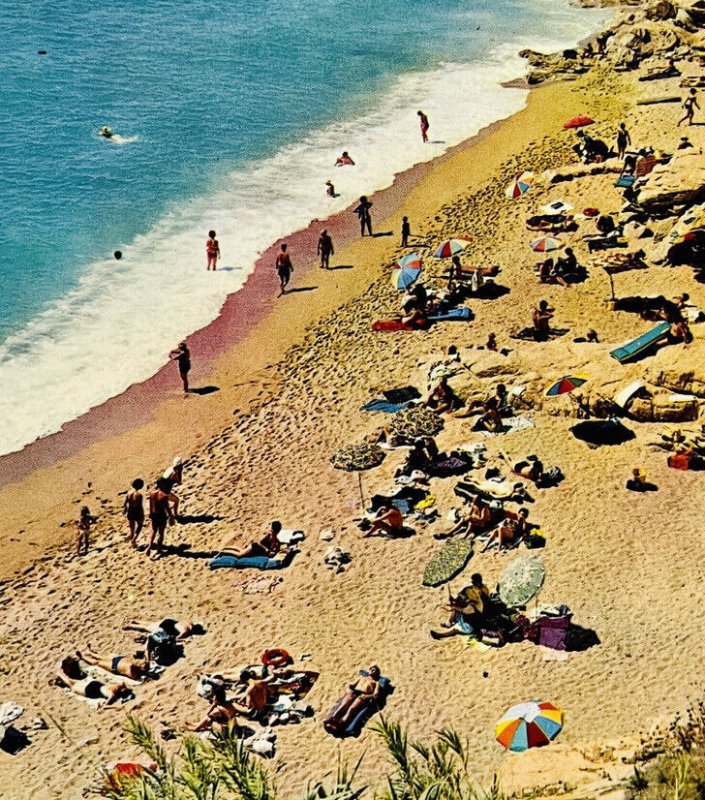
<point x="223" y="769"/>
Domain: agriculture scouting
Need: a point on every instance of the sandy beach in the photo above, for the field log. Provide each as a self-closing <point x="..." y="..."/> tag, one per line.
<point x="289" y="391"/>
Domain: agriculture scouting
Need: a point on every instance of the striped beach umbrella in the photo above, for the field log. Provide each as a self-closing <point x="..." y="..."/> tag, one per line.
<point x="407" y="272"/>
<point x="520" y="185"/>
<point x="532" y="724"/>
<point x="546" y="244"/>
<point x="565" y="384"/>
<point x="451" y="247"/>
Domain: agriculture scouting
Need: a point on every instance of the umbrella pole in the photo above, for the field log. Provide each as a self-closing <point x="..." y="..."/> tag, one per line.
<point x="362" y="496"/>
<point x="611" y="280"/>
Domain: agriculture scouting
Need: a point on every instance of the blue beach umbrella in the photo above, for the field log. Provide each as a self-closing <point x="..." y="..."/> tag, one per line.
<point x="407" y="272"/>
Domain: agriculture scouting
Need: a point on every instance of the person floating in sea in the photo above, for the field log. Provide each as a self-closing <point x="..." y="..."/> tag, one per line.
<point x="325" y="248"/>
<point x="106" y="132"/>
<point x="134" y="510"/>
<point x="182" y="356"/>
<point x="344" y="160"/>
<point x="212" y="250"/>
<point x="330" y="189"/>
<point x="623" y="140"/>
<point x="423" y="120"/>
<point x="284" y="268"/>
<point x="85" y="522"/>
<point x="363" y="213"/>
<point x="689" y="105"/>
<point x="405" y="231"/>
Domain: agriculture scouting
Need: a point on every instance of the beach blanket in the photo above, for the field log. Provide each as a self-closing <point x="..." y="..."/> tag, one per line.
<point x="225" y="560"/>
<point x="511" y="425"/>
<point x="393" y="325"/>
<point x="637" y="346"/>
<point x="357" y="723"/>
<point x="618" y="262"/>
<point x="383" y="406"/>
<point x="448" y="562"/>
<point x="462" y="314"/>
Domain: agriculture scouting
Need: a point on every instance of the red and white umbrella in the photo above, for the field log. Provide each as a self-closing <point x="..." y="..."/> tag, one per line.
<point x="520" y="185"/>
<point x="546" y="244"/>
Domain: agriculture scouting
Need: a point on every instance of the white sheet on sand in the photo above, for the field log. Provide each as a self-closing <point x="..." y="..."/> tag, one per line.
<point x="9" y="712"/>
<point x="511" y="425"/>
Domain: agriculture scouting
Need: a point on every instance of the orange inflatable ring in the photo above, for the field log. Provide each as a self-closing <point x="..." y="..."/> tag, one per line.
<point x="276" y="658"/>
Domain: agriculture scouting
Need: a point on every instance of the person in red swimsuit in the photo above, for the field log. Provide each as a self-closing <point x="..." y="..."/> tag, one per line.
<point x="424" y="125"/>
<point x="212" y="250"/>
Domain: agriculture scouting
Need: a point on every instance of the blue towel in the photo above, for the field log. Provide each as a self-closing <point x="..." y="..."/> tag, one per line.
<point x="453" y="314"/>
<point x="257" y="562"/>
<point x="383" y="405"/>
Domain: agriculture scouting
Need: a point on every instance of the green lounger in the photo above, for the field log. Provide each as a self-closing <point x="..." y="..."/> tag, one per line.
<point x="641" y="343"/>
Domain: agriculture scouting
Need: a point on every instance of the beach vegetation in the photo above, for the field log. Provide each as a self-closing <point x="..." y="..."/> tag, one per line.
<point x="224" y="769"/>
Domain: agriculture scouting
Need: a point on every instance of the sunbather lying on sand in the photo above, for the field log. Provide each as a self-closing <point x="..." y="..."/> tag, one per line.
<point x="72" y="677"/>
<point x="269" y="545"/>
<point x="179" y="630"/>
<point x="365" y="691"/>
<point x="533" y="470"/>
<point x="509" y="532"/>
<point x="134" y="668"/>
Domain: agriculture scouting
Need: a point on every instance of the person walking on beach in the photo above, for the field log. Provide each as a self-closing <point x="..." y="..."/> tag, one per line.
<point x="623" y="140"/>
<point x="689" y="105"/>
<point x="423" y="120"/>
<point x="363" y="214"/>
<point x="85" y="522"/>
<point x="212" y="250"/>
<point x="182" y="355"/>
<point x="405" y="231"/>
<point x="134" y="510"/>
<point x="159" y="514"/>
<point x="325" y="248"/>
<point x="284" y="267"/>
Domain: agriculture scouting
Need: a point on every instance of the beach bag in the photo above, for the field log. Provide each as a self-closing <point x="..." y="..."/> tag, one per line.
<point x="679" y="461"/>
<point x="163" y="648"/>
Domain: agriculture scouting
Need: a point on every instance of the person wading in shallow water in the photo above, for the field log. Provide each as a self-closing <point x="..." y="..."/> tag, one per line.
<point x="284" y="268"/>
<point x="212" y="250"/>
<point x="182" y="356"/>
<point x="423" y="120"/>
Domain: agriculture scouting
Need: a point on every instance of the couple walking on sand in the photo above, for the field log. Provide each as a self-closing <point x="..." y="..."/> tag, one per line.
<point x="284" y="267"/>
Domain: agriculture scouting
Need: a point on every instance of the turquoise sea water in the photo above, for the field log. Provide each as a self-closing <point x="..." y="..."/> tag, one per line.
<point x="231" y="114"/>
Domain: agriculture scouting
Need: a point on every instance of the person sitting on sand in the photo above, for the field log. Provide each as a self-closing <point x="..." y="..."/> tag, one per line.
<point x="490" y="418"/>
<point x="74" y="678"/>
<point x="388" y="522"/>
<point x="420" y="457"/>
<point x="133" y="509"/>
<point x="442" y="398"/>
<point x="467" y="609"/>
<point x="362" y="693"/>
<point x="268" y="546"/>
<point x="222" y="712"/>
<point x="344" y="160"/>
<point x="134" y="668"/>
<point x="256" y="695"/>
<point x="541" y="318"/>
<point x="509" y="532"/>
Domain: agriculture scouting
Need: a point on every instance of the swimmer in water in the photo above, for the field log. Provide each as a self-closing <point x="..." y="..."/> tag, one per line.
<point x="105" y="132"/>
<point x="344" y="160"/>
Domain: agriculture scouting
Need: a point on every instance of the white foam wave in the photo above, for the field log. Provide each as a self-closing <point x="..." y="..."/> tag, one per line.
<point x="116" y="327"/>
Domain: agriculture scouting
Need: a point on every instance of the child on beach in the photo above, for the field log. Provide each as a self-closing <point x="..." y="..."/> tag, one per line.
<point x="85" y="521"/>
<point x="405" y="231"/>
<point x="212" y="250"/>
<point x="689" y="105"/>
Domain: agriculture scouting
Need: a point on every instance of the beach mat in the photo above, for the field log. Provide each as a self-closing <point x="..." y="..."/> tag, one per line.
<point x="226" y="561"/>
<point x="641" y="343"/>
<point x="448" y="562"/>
<point x="455" y="314"/>
<point x="393" y="325"/>
<point x="383" y="406"/>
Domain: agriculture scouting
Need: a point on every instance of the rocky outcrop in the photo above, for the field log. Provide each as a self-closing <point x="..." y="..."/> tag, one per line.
<point x="681" y="376"/>
<point x="661" y="408"/>
<point x="544" y="66"/>
<point x="680" y="182"/>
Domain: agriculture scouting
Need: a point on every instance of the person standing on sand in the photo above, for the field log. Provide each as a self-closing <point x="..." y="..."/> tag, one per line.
<point x="541" y="317"/>
<point x="212" y="250"/>
<point x="84" y="523"/>
<point x="134" y="510"/>
<point x="284" y="268"/>
<point x="623" y="140"/>
<point x="689" y="105"/>
<point x="183" y="356"/>
<point x="159" y="514"/>
<point x="405" y="231"/>
<point x="423" y="119"/>
<point x="363" y="214"/>
<point x="325" y="248"/>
